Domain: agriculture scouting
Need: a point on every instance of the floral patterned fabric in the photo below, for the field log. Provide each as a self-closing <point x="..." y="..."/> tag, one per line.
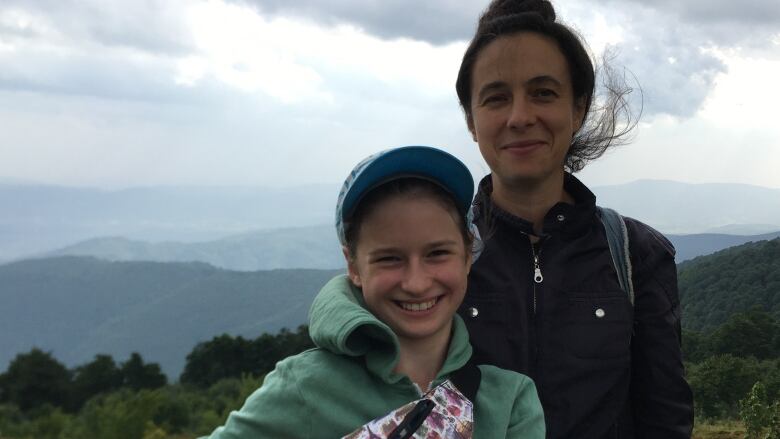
<point x="452" y="417"/>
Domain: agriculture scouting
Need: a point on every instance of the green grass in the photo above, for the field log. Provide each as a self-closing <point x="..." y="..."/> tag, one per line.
<point x="718" y="430"/>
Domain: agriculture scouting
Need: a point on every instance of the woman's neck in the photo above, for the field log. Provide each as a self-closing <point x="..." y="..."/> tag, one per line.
<point x="530" y="200"/>
<point x="422" y="359"/>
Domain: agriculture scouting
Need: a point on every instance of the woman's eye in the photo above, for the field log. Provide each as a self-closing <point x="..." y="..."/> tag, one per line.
<point x="494" y="99"/>
<point x="545" y="93"/>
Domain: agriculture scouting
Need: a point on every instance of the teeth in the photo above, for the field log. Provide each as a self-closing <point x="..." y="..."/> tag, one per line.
<point x="418" y="306"/>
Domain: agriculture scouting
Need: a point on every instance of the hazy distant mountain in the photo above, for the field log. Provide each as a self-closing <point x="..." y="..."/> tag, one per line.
<point x="35" y="219"/>
<point x="682" y="208"/>
<point x="300" y="247"/>
<point x="691" y="246"/>
<point x="78" y="307"/>
<point x="38" y="219"/>
<point x="307" y="247"/>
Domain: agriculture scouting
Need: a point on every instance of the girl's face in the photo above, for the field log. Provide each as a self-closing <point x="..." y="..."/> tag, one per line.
<point x="411" y="263"/>
<point x="523" y="110"/>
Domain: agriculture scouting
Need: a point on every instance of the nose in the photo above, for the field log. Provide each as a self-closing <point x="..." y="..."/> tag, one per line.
<point x="521" y="114"/>
<point x="417" y="280"/>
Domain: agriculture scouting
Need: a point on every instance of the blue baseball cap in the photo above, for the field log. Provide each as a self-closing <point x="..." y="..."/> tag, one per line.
<point x="425" y="162"/>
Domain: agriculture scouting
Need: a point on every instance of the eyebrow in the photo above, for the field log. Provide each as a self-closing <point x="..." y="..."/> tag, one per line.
<point x="543" y="79"/>
<point x="498" y="85"/>
<point x="391" y="249"/>
<point x="442" y="243"/>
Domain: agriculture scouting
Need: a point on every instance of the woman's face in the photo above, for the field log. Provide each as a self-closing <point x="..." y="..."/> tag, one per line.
<point x="411" y="263"/>
<point x="523" y="113"/>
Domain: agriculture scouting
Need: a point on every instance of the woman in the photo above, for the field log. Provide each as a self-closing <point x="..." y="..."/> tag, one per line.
<point x="387" y="333"/>
<point x="544" y="297"/>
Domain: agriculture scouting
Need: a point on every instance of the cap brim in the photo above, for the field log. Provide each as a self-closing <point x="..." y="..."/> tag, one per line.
<point x="413" y="161"/>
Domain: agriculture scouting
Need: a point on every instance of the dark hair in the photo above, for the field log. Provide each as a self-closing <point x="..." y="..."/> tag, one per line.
<point x="605" y="127"/>
<point x="412" y="187"/>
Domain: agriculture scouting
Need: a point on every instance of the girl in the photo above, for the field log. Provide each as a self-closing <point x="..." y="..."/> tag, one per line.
<point x="387" y="332"/>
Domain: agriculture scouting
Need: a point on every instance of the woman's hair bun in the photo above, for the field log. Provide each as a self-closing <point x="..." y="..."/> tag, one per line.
<point x="504" y="8"/>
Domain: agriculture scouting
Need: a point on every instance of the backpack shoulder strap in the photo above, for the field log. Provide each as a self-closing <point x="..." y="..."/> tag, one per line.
<point x="617" y="238"/>
<point x="467" y="379"/>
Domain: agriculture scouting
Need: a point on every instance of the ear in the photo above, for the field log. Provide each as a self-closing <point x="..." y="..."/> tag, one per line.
<point x="352" y="271"/>
<point x="470" y="125"/>
<point x="469" y="260"/>
<point x="578" y="114"/>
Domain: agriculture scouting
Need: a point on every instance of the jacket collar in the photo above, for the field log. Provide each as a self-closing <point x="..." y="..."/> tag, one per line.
<point x="561" y="218"/>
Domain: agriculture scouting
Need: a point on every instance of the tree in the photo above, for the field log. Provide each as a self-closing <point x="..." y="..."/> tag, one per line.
<point x="695" y="346"/>
<point x="137" y="375"/>
<point x="98" y="376"/>
<point x="221" y="357"/>
<point x="755" y="411"/>
<point x="267" y="350"/>
<point x="228" y="357"/>
<point x="720" y="381"/>
<point x="752" y="333"/>
<point x="35" y="379"/>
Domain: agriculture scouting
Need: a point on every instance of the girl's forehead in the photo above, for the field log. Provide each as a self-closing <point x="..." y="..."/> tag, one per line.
<point x="408" y="214"/>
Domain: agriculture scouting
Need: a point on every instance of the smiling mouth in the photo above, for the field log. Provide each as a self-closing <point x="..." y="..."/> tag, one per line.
<point x="419" y="306"/>
<point x="523" y="144"/>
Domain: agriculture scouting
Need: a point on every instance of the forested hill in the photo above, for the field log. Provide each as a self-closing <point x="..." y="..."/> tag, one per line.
<point x="714" y="287"/>
<point x="80" y="306"/>
<point x="77" y="307"/>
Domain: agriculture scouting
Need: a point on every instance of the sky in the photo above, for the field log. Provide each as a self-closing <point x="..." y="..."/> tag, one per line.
<point x="116" y="93"/>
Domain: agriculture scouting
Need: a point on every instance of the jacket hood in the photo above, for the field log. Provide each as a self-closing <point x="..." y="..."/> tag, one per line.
<point x="340" y="323"/>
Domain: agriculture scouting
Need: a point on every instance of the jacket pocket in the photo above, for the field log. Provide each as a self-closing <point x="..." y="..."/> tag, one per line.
<point x="488" y="322"/>
<point x="599" y="327"/>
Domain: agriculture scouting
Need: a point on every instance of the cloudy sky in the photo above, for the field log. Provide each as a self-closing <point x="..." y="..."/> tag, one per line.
<point x="116" y="93"/>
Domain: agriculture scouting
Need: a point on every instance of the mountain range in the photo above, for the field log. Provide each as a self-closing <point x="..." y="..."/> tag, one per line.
<point x="683" y="208"/>
<point x="77" y="307"/>
<point x="36" y="219"/>
<point x="306" y="247"/>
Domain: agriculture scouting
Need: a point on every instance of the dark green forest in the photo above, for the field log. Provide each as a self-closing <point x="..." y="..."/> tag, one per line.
<point x="731" y="349"/>
<point x="40" y="398"/>
<point x="736" y="279"/>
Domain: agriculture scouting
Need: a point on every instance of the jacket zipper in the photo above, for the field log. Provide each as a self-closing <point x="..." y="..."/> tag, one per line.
<point x="536" y="251"/>
<point x="538" y="277"/>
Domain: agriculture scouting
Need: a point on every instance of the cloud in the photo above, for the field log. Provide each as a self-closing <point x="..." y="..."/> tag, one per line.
<point x="749" y="26"/>
<point x="152" y="26"/>
<point x="214" y="92"/>
<point x="673" y="63"/>
<point x="434" y="21"/>
<point x="669" y="59"/>
<point x="252" y="99"/>
<point x="675" y="77"/>
<point x="725" y="22"/>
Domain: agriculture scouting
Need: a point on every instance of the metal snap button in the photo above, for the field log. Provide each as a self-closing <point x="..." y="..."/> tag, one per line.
<point x="473" y="312"/>
<point x="600" y="313"/>
<point x="561" y="217"/>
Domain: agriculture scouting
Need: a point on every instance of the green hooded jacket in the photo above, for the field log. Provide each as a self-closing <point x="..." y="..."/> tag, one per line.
<point x="348" y="380"/>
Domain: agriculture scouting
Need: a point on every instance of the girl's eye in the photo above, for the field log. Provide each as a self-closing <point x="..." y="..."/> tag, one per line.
<point x="439" y="253"/>
<point x="387" y="259"/>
